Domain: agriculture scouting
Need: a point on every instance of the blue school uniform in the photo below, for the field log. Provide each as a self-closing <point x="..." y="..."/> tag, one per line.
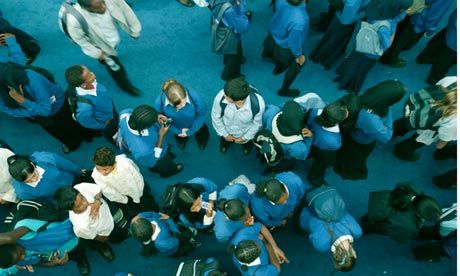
<point x="324" y="138"/>
<point x="94" y="115"/>
<point x="165" y="243"/>
<point x="370" y="127"/>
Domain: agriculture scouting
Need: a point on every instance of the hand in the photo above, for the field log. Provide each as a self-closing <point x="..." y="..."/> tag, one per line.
<point x="300" y="60"/>
<point x="440" y="144"/>
<point x="95" y="209"/>
<point x="184" y="133"/>
<point x="3" y="38"/>
<point x="210" y="209"/>
<point x="280" y="255"/>
<point x="161" y="118"/>
<point x="28" y="267"/>
<point x="229" y="138"/>
<point x="107" y="122"/>
<point x="163" y="216"/>
<point x="306" y="132"/>
<point x="101" y="57"/>
<point x="57" y="261"/>
<point x="15" y="95"/>
<point x="240" y="140"/>
<point x="163" y="130"/>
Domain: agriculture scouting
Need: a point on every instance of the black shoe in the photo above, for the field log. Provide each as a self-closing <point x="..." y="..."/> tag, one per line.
<point x="202" y="146"/>
<point x="132" y="90"/>
<point x="268" y="56"/>
<point x="441" y="182"/>
<point x="106" y="251"/>
<point x="65" y="149"/>
<point x="430" y="80"/>
<point x="422" y="60"/>
<point x="399" y="63"/>
<point x="413" y="157"/>
<point x="83" y="265"/>
<point x="223" y="148"/>
<point x="181" y="144"/>
<point x="278" y="70"/>
<point x="247" y="150"/>
<point x="288" y="92"/>
<point x="179" y="167"/>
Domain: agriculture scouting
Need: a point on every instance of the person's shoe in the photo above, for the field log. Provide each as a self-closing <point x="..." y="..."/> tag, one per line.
<point x="186" y="3"/>
<point x="181" y="144"/>
<point x="65" y="149"/>
<point x="430" y="80"/>
<point x="247" y="150"/>
<point x="132" y="90"/>
<point x="414" y="157"/>
<point x="106" y="251"/>
<point x="278" y="70"/>
<point x="424" y="60"/>
<point x="288" y="92"/>
<point x="441" y="182"/>
<point x="202" y="146"/>
<point x="399" y="63"/>
<point x="243" y="60"/>
<point x="223" y="148"/>
<point x="83" y="265"/>
<point x="179" y="167"/>
<point x="268" y="56"/>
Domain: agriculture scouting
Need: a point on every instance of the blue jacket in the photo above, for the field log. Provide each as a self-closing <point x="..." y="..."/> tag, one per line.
<point x="141" y="147"/>
<point x="48" y="98"/>
<point x="94" y="115"/>
<point x="289" y="26"/>
<point x="385" y="33"/>
<point x="210" y="191"/>
<point x="191" y="116"/>
<point x="451" y="34"/>
<point x="273" y="215"/>
<point x="297" y="150"/>
<point x="325" y="139"/>
<point x="59" y="172"/>
<point x="428" y="19"/>
<point x="165" y="243"/>
<point x="234" y="17"/>
<point x="14" y="53"/>
<point x="224" y="228"/>
<point x="320" y="236"/>
<point x="352" y="11"/>
<point x="370" y="127"/>
<point x="265" y="268"/>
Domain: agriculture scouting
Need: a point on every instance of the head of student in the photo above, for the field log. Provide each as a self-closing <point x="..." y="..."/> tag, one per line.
<point x="69" y="199"/>
<point x="247" y="253"/>
<point x="273" y="190"/>
<point x="235" y="210"/>
<point x="104" y="160"/>
<point x="94" y="6"/>
<point x="175" y="93"/>
<point x="236" y="89"/>
<point x="143" y="117"/>
<point x="10" y="254"/>
<point x="79" y="76"/>
<point x="332" y="115"/>
<point x="188" y="198"/>
<point x="22" y="169"/>
<point x="344" y="256"/>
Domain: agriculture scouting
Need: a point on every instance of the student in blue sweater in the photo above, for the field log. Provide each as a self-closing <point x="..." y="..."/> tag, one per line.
<point x="157" y="232"/>
<point x="94" y="108"/>
<point x="39" y="175"/>
<point x="232" y="211"/>
<point x="287" y="32"/>
<point x="140" y="134"/>
<point x="275" y="200"/>
<point x="187" y="111"/>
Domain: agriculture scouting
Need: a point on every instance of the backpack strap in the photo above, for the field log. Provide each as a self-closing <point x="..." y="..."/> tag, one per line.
<point x="254" y="101"/>
<point x="222" y="10"/>
<point x="68" y="8"/>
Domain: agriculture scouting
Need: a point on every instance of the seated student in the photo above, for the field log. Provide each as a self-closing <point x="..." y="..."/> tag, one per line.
<point x="94" y="219"/>
<point x="39" y="175"/>
<point x="7" y="193"/>
<point x="121" y="181"/>
<point x="255" y="251"/>
<point x="91" y="104"/>
<point x="237" y="114"/>
<point x="29" y="244"/>
<point x="157" y="232"/>
<point x="232" y="211"/>
<point x="275" y="200"/>
<point x="140" y="134"/>
<point x="336" y="234"/>
<point x="187" y="111"/>
<point x="399" y="213"/>
<point x="195" y="203"/>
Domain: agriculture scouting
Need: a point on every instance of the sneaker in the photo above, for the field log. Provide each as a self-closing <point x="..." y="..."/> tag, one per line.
<point x="288" y="92"/>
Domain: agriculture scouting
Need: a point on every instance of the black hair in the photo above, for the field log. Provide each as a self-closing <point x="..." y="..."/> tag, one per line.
<point x="104" y="156"/>
<point x="246" y="252"/>
<point x="237" y="89"/>
<point x="143" y="116"/>
<point x="333" y="114"/>
<point x="234" y="209"/>
<point x="272" y="189"/>
<point x="20" y="167"/>
<point x="427" y="207"/>
<point x="401" y="196"/>
<point x="8" y="254"/>
<point x="65" y="197"/>
<point x="141" y="229"/>
<point x="85" y="3"/>
<point x="185" y="196"/>
<point x="73" y="75"/>
<point x="295" y="2"/>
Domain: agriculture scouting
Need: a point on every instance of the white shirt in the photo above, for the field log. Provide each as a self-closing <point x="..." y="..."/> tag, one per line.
<point x="6" y="181"/>
<point x="126" y="181"/>
<point x="107" y="26"/>
<point x="83" y="225"/>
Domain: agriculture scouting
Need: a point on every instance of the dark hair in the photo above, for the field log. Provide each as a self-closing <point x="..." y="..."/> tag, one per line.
<point x="185" y="197"/>
<point x="143" y="116"/>
<point x="272" y="189"/>
<point x="295" y="2"/>
<point x="85" y="3"/>
<point x="427" y="207"/>
<point x="104" y="156"/>
<point x="401" y="196"/>
<point x="246" y="252"/>
<point x="345" y="265"/>
<point x="333" y="114"/>
<point x="65" y="197"/>
<point x="237" y="89"/>
<point x="73" y="75"/>
<point x="174" y="91"/>
<point x="20" y="167"/>
<point x="234" y="209"/>
<point x="7" y="254"/>
<point x="141" y="229"/>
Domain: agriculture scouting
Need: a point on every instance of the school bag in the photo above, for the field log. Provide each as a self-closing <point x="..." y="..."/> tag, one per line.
<point x="418" y="107"/>
<point x="197" y="267"/>
<point x="326" y="203"/>
<point x="268" y="147"/>
<point x="169" y="200"/>
<point x="367" y="39"/>
<point x="67" y="7"/>
<point x="255" y="105"/>
<point x="223" y="38"/>
<point x="31" y="210"/>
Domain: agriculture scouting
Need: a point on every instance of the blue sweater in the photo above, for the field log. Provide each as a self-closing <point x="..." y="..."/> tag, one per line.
<point x="234" y="17"/>
<point x="223" y="227"/>
<point x="273" y="215"/>
<point x="48" y="98"/>
<point x="289" y="26"/>
<point x="141" y="147"/>
<point x="165" y="243"/>
<point x="353" y="10"/>
<point x="428" y="19"/>
<point x="12" y="53"/>
<point x="370" y="127"/>
<point x="264" y="268"/>
<point x="59" y="172"/>
<point x="191" y="116"/>
<point x="320" y="236"/>
<point x="325" y="139"/>
<point x="451" y="34"/>
<point x="94" y="115"/>
<point x="297" y="150"/>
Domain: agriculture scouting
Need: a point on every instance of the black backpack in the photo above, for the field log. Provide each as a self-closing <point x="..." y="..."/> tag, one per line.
<point x="169" y="200"/>
<point x="31" y="210"/>
<point x="268" y="147"/>
<point x="73" y="99"/>
<point x="197" y="267"/>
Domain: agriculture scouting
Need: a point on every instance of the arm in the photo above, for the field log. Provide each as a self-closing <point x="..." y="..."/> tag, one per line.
<point x="78" y="35"/>
<point x="386" y="37"/>
<point x="64" y="164"/>
<point x="200" y="113"/>
<point x="236" y="18"/>
<point x="14" y="235"/>
<point x="134" y="25"/>
<point x="85" y="116"/>
<point x="217" y="120"/>
<point x="16" y="54"/>
<point x="257" y="122"/>
<point x="270" y="240"/>
<point x="272" y="256"/>
<point x="349" y="13"/>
